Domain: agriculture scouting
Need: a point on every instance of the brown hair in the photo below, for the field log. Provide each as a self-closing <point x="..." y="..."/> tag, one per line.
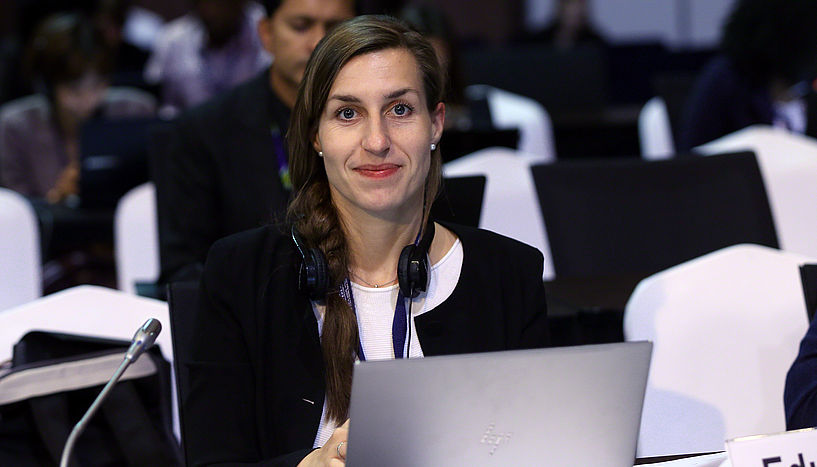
<point x="65" y="46"/>
<point x="312" y="210"/>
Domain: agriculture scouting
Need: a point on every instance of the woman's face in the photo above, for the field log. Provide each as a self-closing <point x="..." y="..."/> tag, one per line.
<point x="78" y="100"/>
<point x="375" y="133"/>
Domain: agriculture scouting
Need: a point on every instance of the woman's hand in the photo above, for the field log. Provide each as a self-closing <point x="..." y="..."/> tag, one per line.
<point x="333" y="453"/>
<point x="67" y="184"/>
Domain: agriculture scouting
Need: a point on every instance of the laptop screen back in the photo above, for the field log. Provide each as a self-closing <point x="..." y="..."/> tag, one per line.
<point x="559" y="406"/>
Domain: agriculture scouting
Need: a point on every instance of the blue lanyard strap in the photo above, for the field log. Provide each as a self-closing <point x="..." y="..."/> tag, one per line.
<point x="399" y="327"/>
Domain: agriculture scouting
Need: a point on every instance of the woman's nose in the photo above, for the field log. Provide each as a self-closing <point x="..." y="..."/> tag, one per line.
<point x="376" y="139"/>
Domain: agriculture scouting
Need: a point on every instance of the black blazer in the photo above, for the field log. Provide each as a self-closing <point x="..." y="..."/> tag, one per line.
<point x="256" y="373"/>
<point x="800" y="394"/>
<point x="218" y="175"/>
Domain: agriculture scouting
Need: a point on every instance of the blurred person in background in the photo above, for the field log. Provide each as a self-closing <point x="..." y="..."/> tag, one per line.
<point x="205" y="52"/>
<point x="39" y="134"/>
<point x="226" y="167"/>
<point x="570" y="27"/>
<point x="40" y="144"/>
<point x="109" y="18"/>
<point x="762" y="75"/>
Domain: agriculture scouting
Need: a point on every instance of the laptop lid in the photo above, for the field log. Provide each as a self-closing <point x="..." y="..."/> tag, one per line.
<point x="559" y="406"/>
<point x="113" y="159"/>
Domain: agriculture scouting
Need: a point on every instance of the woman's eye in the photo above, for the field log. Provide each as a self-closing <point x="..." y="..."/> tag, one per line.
<point x="400" y="110"/>
<point x="347" y="114"/>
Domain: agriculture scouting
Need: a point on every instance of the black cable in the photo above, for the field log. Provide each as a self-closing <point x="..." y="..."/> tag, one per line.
<point x="408" y="341"/>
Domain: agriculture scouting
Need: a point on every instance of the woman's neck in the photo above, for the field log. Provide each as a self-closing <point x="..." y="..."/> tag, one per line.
<point x="375" y="245"/>
<point x="69" y="126"/>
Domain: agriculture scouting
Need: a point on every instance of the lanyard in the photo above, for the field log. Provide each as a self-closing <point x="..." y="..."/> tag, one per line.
<point x="399" y="327"/>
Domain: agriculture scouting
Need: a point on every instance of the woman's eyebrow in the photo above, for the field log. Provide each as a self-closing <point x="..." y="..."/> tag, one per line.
<point x="400" y="92"/>
<point x="353" y="99"/>
<point x="344" y="98"/>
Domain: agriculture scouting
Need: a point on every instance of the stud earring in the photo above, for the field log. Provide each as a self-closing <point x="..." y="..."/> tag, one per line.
<point x="433" y="146"/>
<point x="320" y="153"/>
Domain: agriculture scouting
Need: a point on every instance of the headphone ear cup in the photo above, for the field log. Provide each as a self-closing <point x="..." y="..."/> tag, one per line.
<point x="403" y="275"/>
<point x="313" y="276"/>
<point x="318" y="280"/>
<point x="419" y="272"/>
<point x="412" y="271"/>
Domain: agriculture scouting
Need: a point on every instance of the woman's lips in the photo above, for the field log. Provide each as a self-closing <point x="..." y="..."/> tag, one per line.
<point x="377" y="171"/>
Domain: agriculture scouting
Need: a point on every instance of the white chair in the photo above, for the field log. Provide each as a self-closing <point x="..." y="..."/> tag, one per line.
<point x="788" y="163"/>
<point x="509" y="110"/>
<point x="511" y="206"/>
<point x="725" y="327"/>
<point x="136" y="237"/>
<point x="20" y="269"/>
<point x="91" y="311"/>
<point x="655" y="130"/>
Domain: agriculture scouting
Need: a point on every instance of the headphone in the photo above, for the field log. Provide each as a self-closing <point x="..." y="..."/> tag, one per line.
<point x="412" y="267"/>
<point x="313" y="276"/>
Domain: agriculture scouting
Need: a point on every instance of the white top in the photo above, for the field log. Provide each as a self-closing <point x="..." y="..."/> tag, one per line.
<point x="375" y="313"/>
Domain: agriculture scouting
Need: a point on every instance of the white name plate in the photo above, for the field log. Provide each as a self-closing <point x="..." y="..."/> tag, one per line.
<point x="790" y="449"/>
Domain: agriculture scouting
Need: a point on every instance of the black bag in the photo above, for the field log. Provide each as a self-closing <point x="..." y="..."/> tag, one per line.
<point x="53" y="380"/>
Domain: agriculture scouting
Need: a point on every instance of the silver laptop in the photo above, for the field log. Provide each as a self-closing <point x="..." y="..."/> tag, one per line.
<point x="549" y="407"/>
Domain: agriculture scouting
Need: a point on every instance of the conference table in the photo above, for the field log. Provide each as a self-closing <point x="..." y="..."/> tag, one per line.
<point x="101" y="312"/>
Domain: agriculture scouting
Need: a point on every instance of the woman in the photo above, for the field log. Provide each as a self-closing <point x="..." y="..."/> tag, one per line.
<point x="39" y="134"/>
<point x="271" y="369"/>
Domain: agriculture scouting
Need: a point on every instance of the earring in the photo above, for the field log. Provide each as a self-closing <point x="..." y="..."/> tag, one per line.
<point x="433" y="146"/>
<point x="320" y="153"/>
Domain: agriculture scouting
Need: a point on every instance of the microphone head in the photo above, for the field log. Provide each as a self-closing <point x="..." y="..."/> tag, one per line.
<point x="144" y="338"/>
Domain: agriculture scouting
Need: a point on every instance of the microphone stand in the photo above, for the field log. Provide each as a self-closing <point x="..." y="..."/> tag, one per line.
<point x="143" y="339"/>
<point x="83" y="422"/>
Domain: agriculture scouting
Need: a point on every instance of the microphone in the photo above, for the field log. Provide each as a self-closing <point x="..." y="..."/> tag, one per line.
<point x="143" y="339"/>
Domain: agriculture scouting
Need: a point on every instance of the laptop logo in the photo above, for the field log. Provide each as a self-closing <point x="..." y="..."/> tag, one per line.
<point x="494" y="438"/>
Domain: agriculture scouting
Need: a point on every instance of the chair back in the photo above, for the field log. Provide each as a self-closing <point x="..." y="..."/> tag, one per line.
<point x="182" y="298"/>
<point x="527" y="70"/>
<point x="510" y="206"/>
<point x="788" y="163"/>
<point x="808" y="275"/>
<point x="20" y="270"/>
<point x="655" y="131"/>
<point x="607" y="218"/>
<point x="460" y="200"/>
<point x="136" y="238"/>
<point x="456" y="143"/>
<point x="509" y="110"/>
<point x="725" y="328"/>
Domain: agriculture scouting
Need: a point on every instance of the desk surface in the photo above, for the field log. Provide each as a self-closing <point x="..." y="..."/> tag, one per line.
<point x="718" y="459"/>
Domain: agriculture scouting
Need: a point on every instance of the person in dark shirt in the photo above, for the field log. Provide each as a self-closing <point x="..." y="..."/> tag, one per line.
<point x="800" y="395"/>
<point x="762" y="75"/>
<point x="225" y="167"/>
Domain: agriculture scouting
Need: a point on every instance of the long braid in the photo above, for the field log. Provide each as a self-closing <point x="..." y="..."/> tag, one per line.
<point x="322" y="228"/>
